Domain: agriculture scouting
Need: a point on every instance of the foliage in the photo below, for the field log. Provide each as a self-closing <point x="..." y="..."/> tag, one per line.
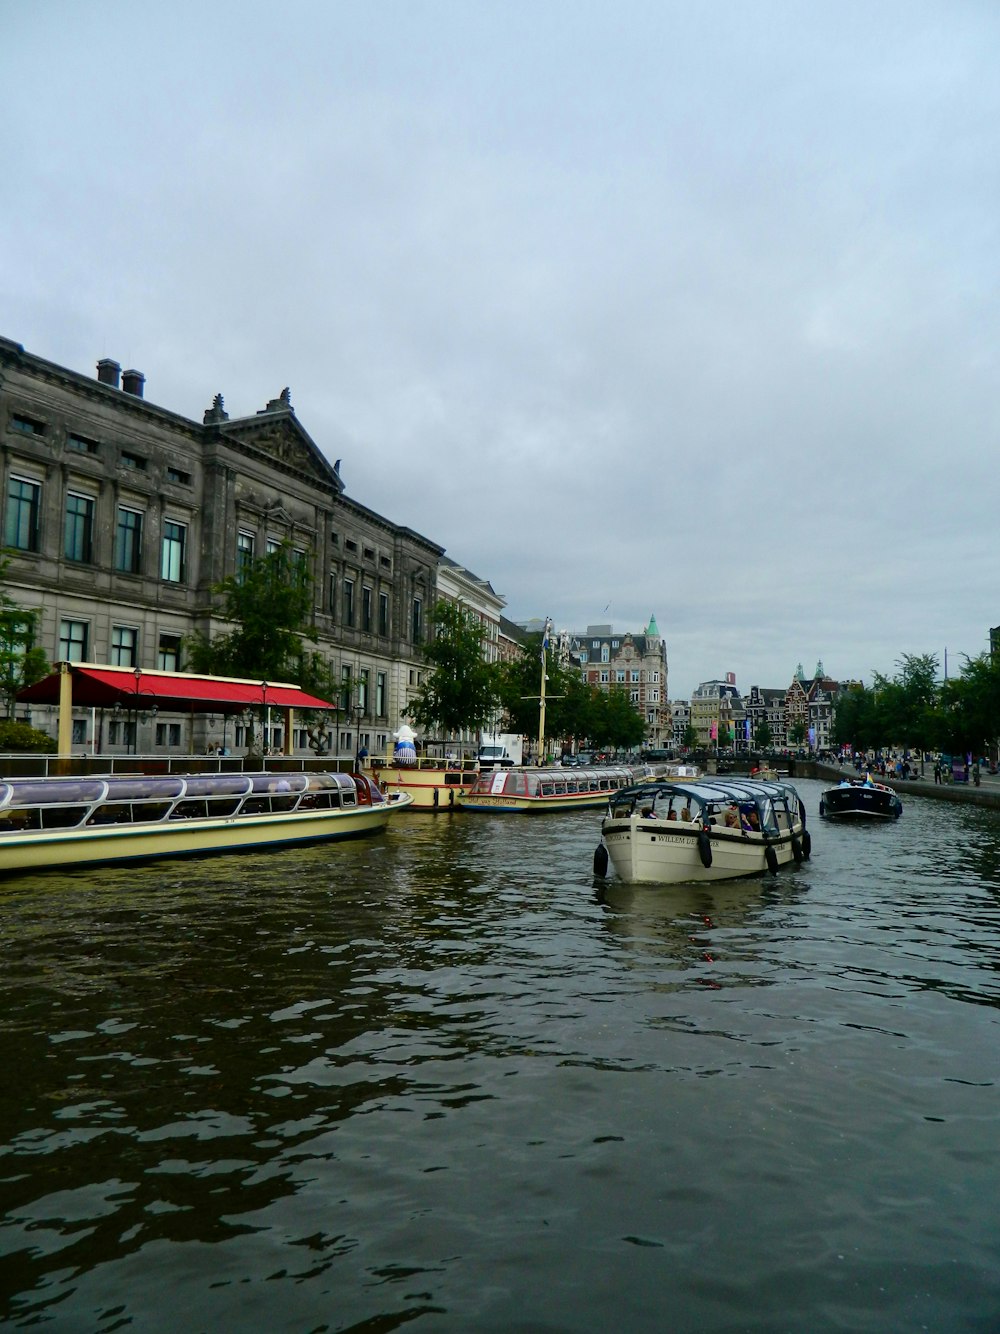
<point x="462" y="690"/>
<point x="969" y="716"/>
<point x="764" y="736"/>
<point x="797" y="733"/>
<point x="689" y="741"/>
<point x="21" y="736"/>
<point x="270" y="606"/>
<point x="21" y="662"/>
<point x="573" y="707"/>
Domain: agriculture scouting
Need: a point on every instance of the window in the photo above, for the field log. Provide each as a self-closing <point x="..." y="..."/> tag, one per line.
<point x="366" y="609"/>
<point x="634" y="675"/>
<point x="81" y="444"/>
<point x="655" y="677"/>
<point x="172" y="552"/>
<point x="369" y="553"/>
<point x="348" y="601"/>
<point x="78" y="541"/>
<point x="168" y="654"/>
<point x="605" y="653"/>
<point x="633" y="697"/>
<point x="385" y="562"/>
<point x="364" y="682"/>
<point x="335" y="538"/>
<point x="614" y="643"/>
<point x="128" y="541"/>
<point x="28" y="425"/>
<point x="620" y="676"/>
<point x="272" y="545"/>
<point x="383" y="613"/>
<point x="168" y="734"/>
<point x="654" y="697"/>
<point x="380" y="709"/>
<point x="418" y="621"/>
<point x="79" y="732"/>
<point x="124" y="645"/>
<point x="584" y="656"/>
<point x="179" y="476"/>
<point x="121" y="733"/>
<point x="23" y="504"/>
<point x="244" y="554"/>
<point x="604" y="678"/>
<point x="350" y="545"/>
<point x="345" y="688"/>
<point x="73" y="641"/>
<point x="333" y="595"/>
<point x="135" y="461"/>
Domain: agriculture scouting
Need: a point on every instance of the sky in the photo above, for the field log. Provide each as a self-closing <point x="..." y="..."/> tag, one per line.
<point x="675" y="309"/>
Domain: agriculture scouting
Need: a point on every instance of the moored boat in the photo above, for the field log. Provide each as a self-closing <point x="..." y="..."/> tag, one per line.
<point x="712" y="829"/>
<point x="860" y="799"/>
<point x="49" y="822"/>
<point x="524" y="789"/>
<point x="432" y="785"/>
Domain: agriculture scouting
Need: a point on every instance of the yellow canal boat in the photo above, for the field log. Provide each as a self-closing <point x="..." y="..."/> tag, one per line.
<point x="82" y="821"/>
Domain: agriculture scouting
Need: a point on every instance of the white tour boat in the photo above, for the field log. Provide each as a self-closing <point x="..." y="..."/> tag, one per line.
<point x="712" y="829"/>
<point x="432" y="784"/>
<point x="524" y="789"/>
<point x="79" y="821"/>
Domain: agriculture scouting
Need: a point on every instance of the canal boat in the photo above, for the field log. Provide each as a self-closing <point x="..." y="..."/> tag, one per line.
<point x="860" y="799"/>
<point x="712" y="829"/>
<point x="81" y="821"/>
<point x="431" y="784"/>
<point x="524" y="790"/>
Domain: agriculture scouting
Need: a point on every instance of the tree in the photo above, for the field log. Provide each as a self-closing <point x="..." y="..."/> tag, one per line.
<point x="462" y="690"/>
<point x="797" y="733"/>
<point x="270" y="605"/>
<point x="764" y="737"/>
<point x="689" y="741"/>
<point x="21" y="661"/>
<point x="969" y="716"/>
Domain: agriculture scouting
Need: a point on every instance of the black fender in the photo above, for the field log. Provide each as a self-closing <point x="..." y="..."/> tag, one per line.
<point x="705" y="848"/>
<point x="600" y="860"/>
<point x="796" y="848"/>
<point x="822" y="806"/>
<point x="771" y="857"/>
<point x="807" y="844"/>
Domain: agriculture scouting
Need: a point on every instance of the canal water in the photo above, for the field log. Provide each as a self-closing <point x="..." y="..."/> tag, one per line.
<point x="442" y="1078"/>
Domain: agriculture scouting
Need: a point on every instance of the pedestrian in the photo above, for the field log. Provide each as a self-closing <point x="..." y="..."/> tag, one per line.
<point x="937" y="771"/>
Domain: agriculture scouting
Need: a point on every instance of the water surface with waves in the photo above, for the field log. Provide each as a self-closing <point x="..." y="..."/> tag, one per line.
<point x="443" y="1077"/>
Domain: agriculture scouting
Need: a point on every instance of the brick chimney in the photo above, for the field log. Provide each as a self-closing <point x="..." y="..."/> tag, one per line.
<point x="132" y="382"/>
<point x="108" y="372"/>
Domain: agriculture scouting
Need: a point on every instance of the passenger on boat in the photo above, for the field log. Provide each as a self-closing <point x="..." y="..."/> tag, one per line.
<point x="686" y="813"/>
<point x="732" y="818"/>
<point x="672" y="815"/>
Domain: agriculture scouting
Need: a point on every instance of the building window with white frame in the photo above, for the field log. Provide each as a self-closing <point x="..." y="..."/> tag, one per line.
<point x="173" y="552"/>
<point x="380" y="700"/>
<point x="244" y="554"/>
<point x="23" y="508"/>
<point x="168" y="653"/>
<point x="78" y="539"/>
<point x="128" y="540"/>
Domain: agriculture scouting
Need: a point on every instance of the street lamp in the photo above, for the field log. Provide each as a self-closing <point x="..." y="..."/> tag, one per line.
<point x="359" y="712"/>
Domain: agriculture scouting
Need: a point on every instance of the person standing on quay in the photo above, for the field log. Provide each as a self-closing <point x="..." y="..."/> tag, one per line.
<point x="937" y="771"/>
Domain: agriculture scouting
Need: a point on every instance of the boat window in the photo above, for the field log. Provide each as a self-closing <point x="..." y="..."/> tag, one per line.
<point x="142" y="788"/>
<point x="546" y="789"/>
<point x="61" y="817"/>
<point x="56" y="791"/>
<point x="516" y="783"/>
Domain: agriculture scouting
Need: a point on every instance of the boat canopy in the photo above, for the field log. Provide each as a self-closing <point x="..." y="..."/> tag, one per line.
<point x="708" y="799"/>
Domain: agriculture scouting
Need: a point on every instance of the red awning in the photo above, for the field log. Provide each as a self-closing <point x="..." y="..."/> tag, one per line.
<point x="177" y="692"/>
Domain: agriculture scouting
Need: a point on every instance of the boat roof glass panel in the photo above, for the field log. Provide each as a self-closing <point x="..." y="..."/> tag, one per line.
<point x="54" y="791"/>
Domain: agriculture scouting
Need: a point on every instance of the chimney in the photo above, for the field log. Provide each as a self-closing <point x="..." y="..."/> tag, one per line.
<point x="108" y="372"/>
<point x="132" y="382"/>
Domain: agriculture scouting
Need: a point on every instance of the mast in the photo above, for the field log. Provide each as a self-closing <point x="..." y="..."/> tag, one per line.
<point x="541" y="693"/>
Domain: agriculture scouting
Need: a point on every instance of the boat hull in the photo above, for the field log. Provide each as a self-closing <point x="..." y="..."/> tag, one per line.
<point x="107" y="844"/>
<point x="861" y="803"/>
<point x="652" y="852"/>
<point x="431" y="788"/>
<point x="499" y="804"/>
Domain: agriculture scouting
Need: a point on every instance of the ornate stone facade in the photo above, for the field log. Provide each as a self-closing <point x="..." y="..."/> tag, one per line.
<point x="121" y="516"/>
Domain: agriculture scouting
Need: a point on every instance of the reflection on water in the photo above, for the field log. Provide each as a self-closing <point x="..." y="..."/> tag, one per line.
<point x="445" y="1076"/>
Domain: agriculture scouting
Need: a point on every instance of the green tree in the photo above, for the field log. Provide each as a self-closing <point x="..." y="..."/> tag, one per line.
<point x="764" y="737"/>
<point x="462" y="689"/>
<point x="270" y="607"/>
<point x="22" y="662"/>
<point x="969" y="714"/>
<point x="797" y="733"/>
<point x="689" y="741"/>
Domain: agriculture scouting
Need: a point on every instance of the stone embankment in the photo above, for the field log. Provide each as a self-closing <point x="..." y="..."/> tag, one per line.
<point x="987" y="794"/>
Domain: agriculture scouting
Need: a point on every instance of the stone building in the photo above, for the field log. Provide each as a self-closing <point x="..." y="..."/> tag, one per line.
<point x="633" y="662"/>
<point x="717" y="713"/>
<point x="121" y="516"/>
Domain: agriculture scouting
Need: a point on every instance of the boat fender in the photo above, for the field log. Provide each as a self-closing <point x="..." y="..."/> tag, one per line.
<point x="451" y="796"/>
<point x="600" y="860"/>
<point x="822" y="806"/>
<point x="802" y="812"/>
<point x="705" y="848"/>
<point x="796" y="848"/>
<point x="437" y="798"/>
<point x="771" y="857"/>
<point x="807" y="844"/>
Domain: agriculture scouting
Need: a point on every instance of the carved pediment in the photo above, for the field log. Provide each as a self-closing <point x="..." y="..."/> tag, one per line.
<point x="282" y="438"/>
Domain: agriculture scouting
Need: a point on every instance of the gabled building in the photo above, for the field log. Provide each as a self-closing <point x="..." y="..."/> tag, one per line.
<point x="120" y="517"/>
<point x="766" y="704"/>
<point x="636" y="663"/>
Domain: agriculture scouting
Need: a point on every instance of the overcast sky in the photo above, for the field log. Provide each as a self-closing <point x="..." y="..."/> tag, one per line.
<point x="676" y="308"/>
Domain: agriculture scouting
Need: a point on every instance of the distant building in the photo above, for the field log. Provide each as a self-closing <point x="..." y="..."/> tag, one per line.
<point x="636" y="663"/>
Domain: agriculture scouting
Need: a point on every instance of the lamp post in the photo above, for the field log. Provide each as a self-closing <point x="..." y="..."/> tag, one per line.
<point x="137" y="673"/>
<point x="265" y="717"/>
<point x="359" y="711"/>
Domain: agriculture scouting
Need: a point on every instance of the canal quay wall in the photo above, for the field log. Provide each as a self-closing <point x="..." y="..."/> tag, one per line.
<point x="987" y="794"/>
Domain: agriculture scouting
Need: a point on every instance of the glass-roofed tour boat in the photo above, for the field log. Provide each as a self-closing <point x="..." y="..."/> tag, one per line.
<point x="525" y="789"/>
<point x="712" y="829"/>
<point x="49" y="822"/>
